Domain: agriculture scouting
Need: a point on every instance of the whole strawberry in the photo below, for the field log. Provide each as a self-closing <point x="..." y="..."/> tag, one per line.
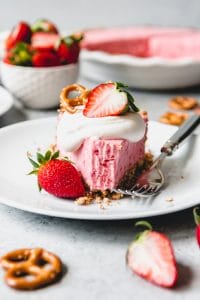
<point x="20" y="55"/>
<point x="151" y="256"/>
<point x="69" y="48"/>
<point x="20" y="33"/>
<point x="57" y="176"/>
<point x="196" y="213"/>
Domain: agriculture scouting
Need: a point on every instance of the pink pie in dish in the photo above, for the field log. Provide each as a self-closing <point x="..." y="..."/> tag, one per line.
<point x="170" y="43"/>
<point x="104" y="149"/>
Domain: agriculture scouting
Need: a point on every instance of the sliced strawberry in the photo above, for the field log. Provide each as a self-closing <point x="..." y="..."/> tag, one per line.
<point x="44" y="25"/>
<point x="57" y="176"/>
<point x="20" y="33"/>
<point x="69" y="49"/>
<point x="44" y="40"/>
<point x="45" y="59"/>
<point x="108" y="99"/>
<point x="151" y="256"/>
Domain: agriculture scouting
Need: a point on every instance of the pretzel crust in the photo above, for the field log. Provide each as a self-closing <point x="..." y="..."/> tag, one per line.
<point x="25" y="268"/>
<point x="69" y="104"/>
<point x="173" y="118"/>
<point x="181" y="102"/>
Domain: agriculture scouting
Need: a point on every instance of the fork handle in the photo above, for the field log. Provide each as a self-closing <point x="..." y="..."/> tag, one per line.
<point x="180" y="135"/>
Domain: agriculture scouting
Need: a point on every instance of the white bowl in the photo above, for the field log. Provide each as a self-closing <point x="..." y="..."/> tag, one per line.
<point x="38" y="87"/>
<point x="144" y="73"/>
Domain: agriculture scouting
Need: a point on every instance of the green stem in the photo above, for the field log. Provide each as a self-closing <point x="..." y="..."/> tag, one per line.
<point x="196" y="214"/>
<point x="145" y="224"/>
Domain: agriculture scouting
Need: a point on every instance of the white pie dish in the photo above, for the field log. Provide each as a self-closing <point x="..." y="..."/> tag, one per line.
<point x="143" y="73"/>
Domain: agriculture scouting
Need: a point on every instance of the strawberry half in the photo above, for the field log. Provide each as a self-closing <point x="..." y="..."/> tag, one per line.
<point x="151" y="256"/>
<point x="44" y="40"/>
<point x="57" y="176"/>
<point x="20" y="33"/>
<point x="109" y="99"/>
<point x="44" y="25"/>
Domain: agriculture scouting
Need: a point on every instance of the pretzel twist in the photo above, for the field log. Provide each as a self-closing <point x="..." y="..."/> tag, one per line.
<point x="26" y="269"/>
<point x="69" y="104"/>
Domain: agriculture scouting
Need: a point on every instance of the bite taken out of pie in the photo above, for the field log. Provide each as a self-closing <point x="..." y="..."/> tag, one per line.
<point x="103" y="133"/>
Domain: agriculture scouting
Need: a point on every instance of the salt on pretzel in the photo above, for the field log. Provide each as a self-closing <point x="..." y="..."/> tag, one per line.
<point x="29" y="269"/>
<point x="182" y="102"/>
<point x="69" y="104"/>
<point x="173" y="118"/>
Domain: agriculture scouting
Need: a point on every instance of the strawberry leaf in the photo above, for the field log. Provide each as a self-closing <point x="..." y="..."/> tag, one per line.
<point x="33" y="172"/>
<point x="40" y="158"/>
<point x="131" y="103"/>
<point x="34" y="164"/>
<point x="121" y="85"/>
<point x="39" y="187"/>
<point x="48" y="155"/>
<point x="55" y="155"/>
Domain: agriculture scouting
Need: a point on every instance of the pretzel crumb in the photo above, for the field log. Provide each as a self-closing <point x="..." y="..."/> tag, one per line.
<point x="169" y="199"/>
<point x="172" y="118"/>
<point x="183" y="102"/>
<point x="106" y="197"/>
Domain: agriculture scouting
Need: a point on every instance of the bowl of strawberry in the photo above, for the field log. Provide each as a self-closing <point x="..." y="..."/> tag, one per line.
<point x="38" y="62"/>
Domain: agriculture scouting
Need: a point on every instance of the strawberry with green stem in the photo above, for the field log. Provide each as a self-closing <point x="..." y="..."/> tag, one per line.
<point x="151" y="256"/>
<point x="20" y="55"/>
<point x="68" y="49"/>
<point x="109" y="99"/>
<point x="57" y="175"/>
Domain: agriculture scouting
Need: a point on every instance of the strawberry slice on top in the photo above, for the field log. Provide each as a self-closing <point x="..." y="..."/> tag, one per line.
<point x="151" y="256"/>
<point x="109" y="99"/>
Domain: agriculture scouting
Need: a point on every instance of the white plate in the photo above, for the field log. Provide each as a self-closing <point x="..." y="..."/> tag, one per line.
<point x="6" y="100"/>
<point x="20" y="191"/>
<point x="145" y="73"/>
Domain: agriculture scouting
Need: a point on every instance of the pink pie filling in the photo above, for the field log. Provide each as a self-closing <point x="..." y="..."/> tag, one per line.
<point x="104" y="162"/>
<point x="169" y="43"/>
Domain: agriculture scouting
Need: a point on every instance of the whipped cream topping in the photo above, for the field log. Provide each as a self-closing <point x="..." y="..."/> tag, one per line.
<point x="73" y="129"/>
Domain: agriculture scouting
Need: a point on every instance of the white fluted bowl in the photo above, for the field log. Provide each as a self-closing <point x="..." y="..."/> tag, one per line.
<point x="38" y="88"/>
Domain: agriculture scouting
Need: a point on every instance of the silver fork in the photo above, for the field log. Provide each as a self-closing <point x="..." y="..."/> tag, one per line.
<point x="151" y="181"/>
